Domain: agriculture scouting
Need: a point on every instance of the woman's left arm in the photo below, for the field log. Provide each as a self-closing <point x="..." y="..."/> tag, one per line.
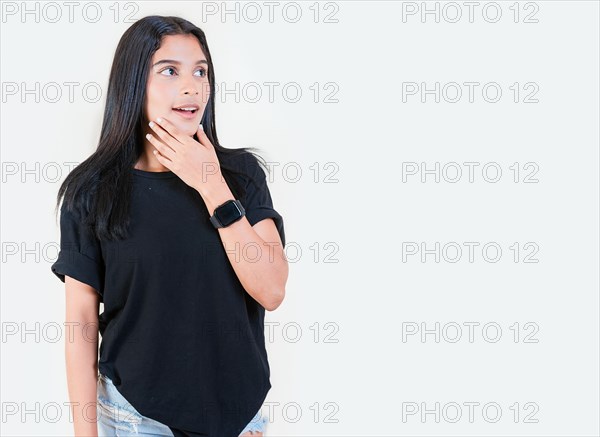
<point x="255" y="252"/>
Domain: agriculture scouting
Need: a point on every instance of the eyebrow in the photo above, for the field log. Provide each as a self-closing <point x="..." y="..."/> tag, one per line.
<point x="172" y="61"/>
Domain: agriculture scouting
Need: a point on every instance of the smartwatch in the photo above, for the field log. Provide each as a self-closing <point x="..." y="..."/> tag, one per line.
<point x="227" y="213"/>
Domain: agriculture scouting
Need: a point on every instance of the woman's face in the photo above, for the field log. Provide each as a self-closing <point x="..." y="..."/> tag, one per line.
<point x="178" y="78"/>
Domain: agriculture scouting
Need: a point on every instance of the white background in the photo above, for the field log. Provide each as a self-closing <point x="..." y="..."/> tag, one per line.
<point x="347" y="239"/>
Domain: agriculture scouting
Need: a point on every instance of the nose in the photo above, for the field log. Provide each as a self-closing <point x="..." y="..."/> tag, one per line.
<point x="189" y="87"/>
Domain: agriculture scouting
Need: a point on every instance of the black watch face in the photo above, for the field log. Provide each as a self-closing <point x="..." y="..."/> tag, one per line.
<point x="228" y="213"/>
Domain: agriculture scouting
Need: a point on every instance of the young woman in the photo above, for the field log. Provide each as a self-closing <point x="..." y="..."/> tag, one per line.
<point x="178" y="238"/>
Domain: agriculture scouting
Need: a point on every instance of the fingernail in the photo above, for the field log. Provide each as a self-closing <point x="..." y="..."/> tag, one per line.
<point x="201" y="127"/>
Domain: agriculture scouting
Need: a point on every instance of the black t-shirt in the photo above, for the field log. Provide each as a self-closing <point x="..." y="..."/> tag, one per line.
<point x="182" y="340"/>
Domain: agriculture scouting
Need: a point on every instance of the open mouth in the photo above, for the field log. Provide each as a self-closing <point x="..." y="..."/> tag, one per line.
<point x="186" y="110"/>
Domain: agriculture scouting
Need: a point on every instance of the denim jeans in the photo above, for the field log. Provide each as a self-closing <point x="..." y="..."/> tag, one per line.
<point x="117" y="417"/>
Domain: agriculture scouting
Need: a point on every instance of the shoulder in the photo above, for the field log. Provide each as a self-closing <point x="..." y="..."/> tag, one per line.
<point x="76" y="206"/>
<point x="247" y="166"/>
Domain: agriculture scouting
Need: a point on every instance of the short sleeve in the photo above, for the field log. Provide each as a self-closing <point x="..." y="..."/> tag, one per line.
<point x="80" y="254"/>
<point x="259" y="204"/>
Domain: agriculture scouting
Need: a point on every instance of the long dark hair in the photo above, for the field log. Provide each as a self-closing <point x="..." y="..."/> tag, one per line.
<point x="100" y="187"/>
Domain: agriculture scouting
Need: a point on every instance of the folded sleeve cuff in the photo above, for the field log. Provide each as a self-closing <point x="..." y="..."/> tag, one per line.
<point x="257" y="214"/>
<point x="80" y="267"/>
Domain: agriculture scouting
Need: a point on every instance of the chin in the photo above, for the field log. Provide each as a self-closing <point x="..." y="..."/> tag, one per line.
<point x="184" y="127"/>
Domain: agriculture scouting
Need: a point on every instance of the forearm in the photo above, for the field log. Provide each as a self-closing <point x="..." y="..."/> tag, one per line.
<point x="81" y="354"/>
<point x="260" y="265"/>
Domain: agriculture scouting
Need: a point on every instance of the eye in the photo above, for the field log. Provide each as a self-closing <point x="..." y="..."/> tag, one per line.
<point x="168" y="68"/>
<point x="203" y="72"/>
